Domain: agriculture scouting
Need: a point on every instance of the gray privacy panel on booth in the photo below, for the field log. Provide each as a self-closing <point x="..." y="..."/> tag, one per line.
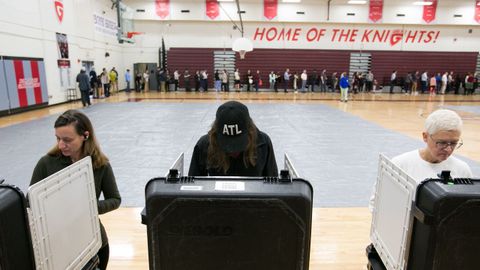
<point x="335" y="151"/>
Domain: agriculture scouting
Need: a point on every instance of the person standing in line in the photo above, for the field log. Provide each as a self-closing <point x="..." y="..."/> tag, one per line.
<point x="323" y="81"/>
<point x="304" y="78"/>
<point x="408" y="83"/>
<point x="393" y="81"/>
<point x="444" y="83"/>
<point x="145" y="78"/>
<point x="344" y="85"/>
<point x="186" y="80"/>
<point x="295" y="82"/>
<point x="75" y="140"/>
<point x="138" y="81"/>
<point x="334" y="82"/>
<point x="94" y="83"/>
<point x="369" y="81"/>
<point x="271" y="80"/>
<point x="105" y="82"/>
<point x="286" y="79"/>
<point x="112" y="76"/>
<point x="163" y="80"/>
<point x="236" y="76"/>
<point x="84" y="86"/>
<point x="176" y="79"/>
<point x="128" y="79"/>
<point x="415" y="82"/>
<point x="433" y="85"/>
<point x="312" y="80"/>
<point x="424" y="81"/>
<point x="438" y="77"/>
<point x="152" y="81"/>
<point x="197" y="80"/>
<point x="257" y="80"/>
<point x="225" y="81"/>
<point x="116" y="79"/>
<point x="249" y="80"/>
<point x="218" y="81"/>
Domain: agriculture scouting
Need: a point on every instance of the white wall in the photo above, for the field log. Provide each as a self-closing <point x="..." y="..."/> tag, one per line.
<point x="28" y="29"/>
<point x="315" y="11"/>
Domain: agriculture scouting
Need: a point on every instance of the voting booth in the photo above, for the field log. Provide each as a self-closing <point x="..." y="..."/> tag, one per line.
<point x="233" y="223"/>
<point x="432" y="225"/>
<point x="58" y="228"/>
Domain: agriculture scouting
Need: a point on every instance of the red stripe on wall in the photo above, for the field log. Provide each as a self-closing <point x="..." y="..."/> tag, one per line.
<point x="37" y="89"/>
<point x="19" y="75"/>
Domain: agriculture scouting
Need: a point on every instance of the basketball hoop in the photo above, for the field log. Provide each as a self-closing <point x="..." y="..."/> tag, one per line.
<point x="242" y="46"/>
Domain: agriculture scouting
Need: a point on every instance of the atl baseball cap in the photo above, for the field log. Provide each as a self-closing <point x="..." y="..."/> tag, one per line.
<point x="231" y="120"/>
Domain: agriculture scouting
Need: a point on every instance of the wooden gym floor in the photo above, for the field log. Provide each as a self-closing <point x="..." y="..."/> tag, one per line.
<point x="339" y="235"/>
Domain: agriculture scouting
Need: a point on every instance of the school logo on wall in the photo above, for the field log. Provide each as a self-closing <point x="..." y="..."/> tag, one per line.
<point x="59" y="9"/>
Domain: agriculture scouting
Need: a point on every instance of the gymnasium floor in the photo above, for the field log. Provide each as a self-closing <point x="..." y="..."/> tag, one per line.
<point x="334" y="145"/>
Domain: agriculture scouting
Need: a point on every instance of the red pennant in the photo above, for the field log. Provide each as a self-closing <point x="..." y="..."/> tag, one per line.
<point x="430" y="11"/>
<point x="59" y="10"/>
<point x="477" y="11"/>
<point x="270" y="8"/>
<point x="212" y="9"/>
<point x="162" y="8"/>
<point x="376" y="10"/>
<point x="131" y="34"/>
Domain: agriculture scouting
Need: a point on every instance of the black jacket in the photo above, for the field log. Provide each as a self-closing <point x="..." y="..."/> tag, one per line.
<point x="266" y="164"/>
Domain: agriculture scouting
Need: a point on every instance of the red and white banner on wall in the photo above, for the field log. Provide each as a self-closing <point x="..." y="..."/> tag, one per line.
<point x="59" y="9"/>
<point x="430" y="11"/>
<point x="162" y="8"/>
<point x="28" y="86"/>
<point x="477" y="11"/>
<point x="270" y="8"/>
<point x="211" y="9"/>
<point x="375" y="12"/>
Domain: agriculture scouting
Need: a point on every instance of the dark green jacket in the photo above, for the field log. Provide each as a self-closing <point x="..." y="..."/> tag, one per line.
<point x="104" y="182"/>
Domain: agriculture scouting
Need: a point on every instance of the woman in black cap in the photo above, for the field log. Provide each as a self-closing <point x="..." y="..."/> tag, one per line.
<point x="234" y="146"/>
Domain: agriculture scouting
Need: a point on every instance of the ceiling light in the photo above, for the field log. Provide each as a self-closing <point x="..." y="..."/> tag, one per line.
<point x="291" y="1"/>
<point x="357" y="2"/>
<point x="421" y="3"/>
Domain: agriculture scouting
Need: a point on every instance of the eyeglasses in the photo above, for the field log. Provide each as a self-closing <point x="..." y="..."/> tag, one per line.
<point x="443" y="144"/>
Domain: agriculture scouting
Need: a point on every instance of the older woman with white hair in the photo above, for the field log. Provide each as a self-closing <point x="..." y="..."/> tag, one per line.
<point x="442" y="135"/>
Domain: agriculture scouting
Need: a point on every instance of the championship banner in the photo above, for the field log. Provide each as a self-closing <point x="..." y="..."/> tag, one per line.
<point x="162" y="8"/>
<point x="477" y="11"/>
<point x="270" y="8"/>
<point x="375" y="12"/>
<point x="430" y="11"/>
<point x="212" y="9"/>
<point x="62" y="44"/>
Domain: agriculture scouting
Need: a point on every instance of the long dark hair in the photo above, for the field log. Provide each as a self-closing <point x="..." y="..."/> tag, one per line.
<point x="218" y="159"/>
<point x="90" y="146"/>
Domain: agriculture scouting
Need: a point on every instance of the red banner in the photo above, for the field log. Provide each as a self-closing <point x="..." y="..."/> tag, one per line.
<point x="212" y="9"/>
<point x="59" y="10"/>
<point x="477" y="11"/>
<point x="162" y="8"/>
<point x="270" y="9"/>
<point x="430" y="11"/>
<point x="375" y="12"/>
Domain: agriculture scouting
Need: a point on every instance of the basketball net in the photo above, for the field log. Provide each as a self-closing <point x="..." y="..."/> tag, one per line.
<point x="242" y="54"/>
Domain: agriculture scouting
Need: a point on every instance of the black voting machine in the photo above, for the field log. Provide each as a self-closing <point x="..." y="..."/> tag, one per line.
<point x="445" y="234"/>
<point x="228" y="222"/>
